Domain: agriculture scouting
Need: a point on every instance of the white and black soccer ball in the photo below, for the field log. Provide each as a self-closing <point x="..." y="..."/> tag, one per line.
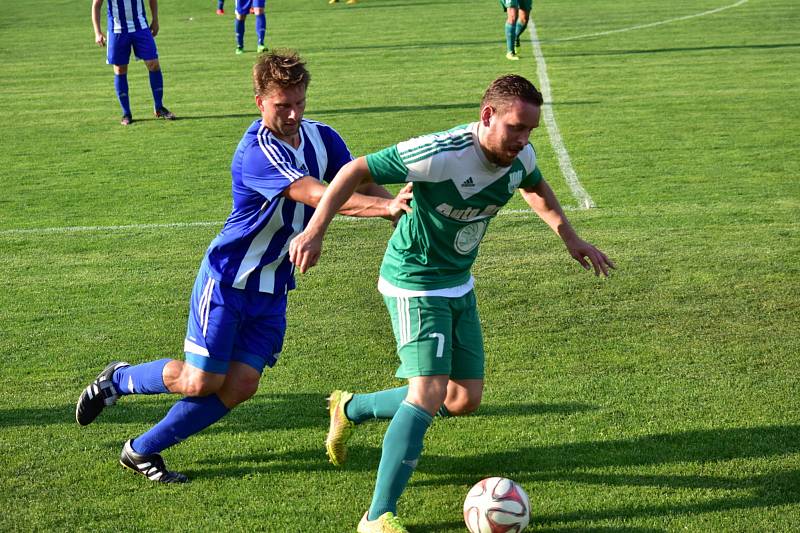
<point x="496" y="505"/>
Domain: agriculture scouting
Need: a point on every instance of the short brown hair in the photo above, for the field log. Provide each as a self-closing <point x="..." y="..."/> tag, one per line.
<point x="279" y="68"/>
<point x="506" y="88"/>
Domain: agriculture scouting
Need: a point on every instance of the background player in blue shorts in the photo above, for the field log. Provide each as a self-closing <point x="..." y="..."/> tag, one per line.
<point x="128" y="29"/>
<point x="243" y="7"/>
<point x="237" y="312"/>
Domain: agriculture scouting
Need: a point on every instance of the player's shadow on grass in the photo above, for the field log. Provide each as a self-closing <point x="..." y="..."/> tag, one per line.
<point x="573" y="463"/>
<point x="379" y="109"/>
<point x="531" y="409"/>
<point x="422" y="45"/>
<point x="264" y="412"/>
<point x="458" y="525"/>
<point x="354" y="110"/>
<point x="222" y="465"/>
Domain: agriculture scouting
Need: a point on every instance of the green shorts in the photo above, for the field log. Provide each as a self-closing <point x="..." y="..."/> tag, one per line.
<point x="437" y="336"/>
<point x="525" y="5"/>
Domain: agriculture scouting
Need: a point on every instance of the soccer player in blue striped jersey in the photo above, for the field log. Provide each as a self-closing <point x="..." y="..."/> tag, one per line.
<point x="237" y="312"/>
<point x="462" y="178"/>
<point x="243" y="8"/>
<point x="128" y="30"/>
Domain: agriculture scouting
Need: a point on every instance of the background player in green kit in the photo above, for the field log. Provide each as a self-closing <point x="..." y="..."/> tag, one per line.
<point x="462" y="178"/>
<point x="518" y="12"/>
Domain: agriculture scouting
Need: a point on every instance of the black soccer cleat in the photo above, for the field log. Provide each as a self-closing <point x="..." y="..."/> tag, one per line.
<point x="98" y="395"/>
<point x="151" y="466"/>
<point x="163" y="112"/>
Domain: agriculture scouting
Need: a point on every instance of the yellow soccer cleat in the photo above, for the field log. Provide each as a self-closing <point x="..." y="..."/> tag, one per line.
<point x="340" y="427"/>
<point x="511" y="56"/>
<point x="333" y="1"/>
<point x="351" y="2"/>
<point x="385" y="523"/>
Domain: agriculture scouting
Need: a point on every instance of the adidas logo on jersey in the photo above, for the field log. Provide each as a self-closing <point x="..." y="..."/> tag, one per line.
<point x="469" y="182"/>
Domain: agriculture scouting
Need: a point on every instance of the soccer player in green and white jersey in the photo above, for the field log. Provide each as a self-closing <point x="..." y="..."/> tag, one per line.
<point x="461" y="179"/>
<point x="518" y="12"/>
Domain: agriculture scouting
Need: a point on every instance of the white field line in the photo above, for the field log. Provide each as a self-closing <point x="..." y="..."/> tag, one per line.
<point x="564" y="162"/>
<point x="652" y="24"/>
<point x="585" y="201"/>
<point x="181" y="225"/>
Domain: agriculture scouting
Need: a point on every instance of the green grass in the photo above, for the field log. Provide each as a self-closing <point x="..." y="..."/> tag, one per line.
<point x="665" y="398"/>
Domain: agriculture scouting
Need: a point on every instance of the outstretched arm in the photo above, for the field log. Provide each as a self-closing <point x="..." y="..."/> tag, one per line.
<point x="305" y="249"/>
<point x="371" y="200"/>
<point x="543" y="201"/>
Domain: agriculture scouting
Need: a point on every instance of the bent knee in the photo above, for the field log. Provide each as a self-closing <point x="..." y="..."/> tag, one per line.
<point x="463" y="406"/>
<point x="201" y="387"/>
<point x="235" y="392"/>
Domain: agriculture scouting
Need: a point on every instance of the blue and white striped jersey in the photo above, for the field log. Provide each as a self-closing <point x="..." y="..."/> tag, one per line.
<point x="126" y="16"/>
<point x="251" y="251"/>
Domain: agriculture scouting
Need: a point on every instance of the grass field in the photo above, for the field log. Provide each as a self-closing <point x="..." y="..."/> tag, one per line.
<point x="665" y="398"/>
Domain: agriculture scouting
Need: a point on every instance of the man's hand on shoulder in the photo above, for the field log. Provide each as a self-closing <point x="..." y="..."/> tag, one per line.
<point x="400" y="204"/>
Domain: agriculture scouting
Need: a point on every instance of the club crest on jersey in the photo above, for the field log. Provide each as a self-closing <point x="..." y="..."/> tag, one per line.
<point x="514" y="179"/>
<point x="468" y="213"/>
<point x="469" y="237"/>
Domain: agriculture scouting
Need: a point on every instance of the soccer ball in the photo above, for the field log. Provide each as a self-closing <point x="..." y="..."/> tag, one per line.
<point x="496" y="505"/>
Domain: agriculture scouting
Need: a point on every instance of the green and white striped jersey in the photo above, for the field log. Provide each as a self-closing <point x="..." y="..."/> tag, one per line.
<point x="457" y="191"/>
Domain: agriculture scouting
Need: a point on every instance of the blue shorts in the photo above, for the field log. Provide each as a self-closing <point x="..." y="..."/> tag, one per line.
<point x="120" y="45"/>
<point x="243" y="6"/>
<point x="228" y="324"/>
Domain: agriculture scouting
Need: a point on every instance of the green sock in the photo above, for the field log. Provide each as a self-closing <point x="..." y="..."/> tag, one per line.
<point x="381" y="404"/>
<point x="510" y="36"/>
<point x="402" y="446"/>
<point x="520" y="28"/>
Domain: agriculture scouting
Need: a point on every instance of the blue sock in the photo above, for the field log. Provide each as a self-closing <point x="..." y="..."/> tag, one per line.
<point x="261" y="27"/>
<point x="511" y="34"/>
<point x="121" y="85"/>
<point x="157" y="86"/>
<point x="381" y="404"/>
<point x="402" y="446"/>
<point x="146" y="378"/>
<point x="187" y="417"/>
<point x="220" y="4"/>
<point x="239" y="29"/>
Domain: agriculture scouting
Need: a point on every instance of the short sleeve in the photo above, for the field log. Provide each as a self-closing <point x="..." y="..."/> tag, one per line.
<point x="532" y="173"/>
<point x="532" y="179"/>
<point x="268" y="171"/>
<point x="337" y="152"/>
<point x="387" y="167"/>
